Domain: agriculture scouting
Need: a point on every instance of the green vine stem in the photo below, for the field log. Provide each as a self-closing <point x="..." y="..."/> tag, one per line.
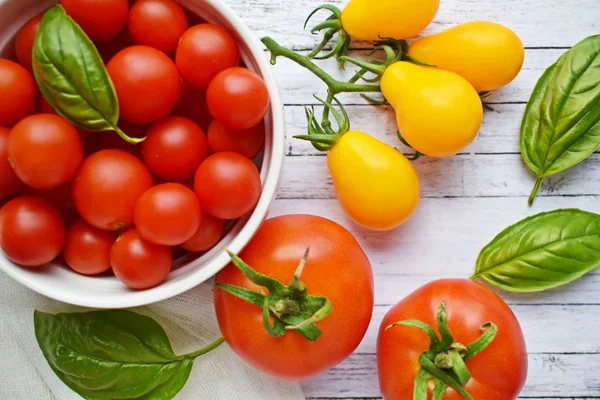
<point x="290" y="306"/>
<point x="444" y="361"/>
<point x="335" y="86"/>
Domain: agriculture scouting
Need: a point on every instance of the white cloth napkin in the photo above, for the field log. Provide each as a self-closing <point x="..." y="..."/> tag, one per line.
<point x="189" y="320"/>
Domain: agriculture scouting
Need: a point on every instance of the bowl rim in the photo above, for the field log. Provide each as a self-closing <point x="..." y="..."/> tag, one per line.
<point x="274" y="159"/>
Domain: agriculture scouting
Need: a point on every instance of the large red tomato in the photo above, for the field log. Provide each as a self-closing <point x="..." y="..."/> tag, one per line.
<point x="9" y="183"/>
<point x="498" y="372"/>
<point x="17" y="93"/>
<point x="108" y="186"/>
<point x="336" y="268"/>
<point x="32" y="231"/>
<point x="147" y="84"/>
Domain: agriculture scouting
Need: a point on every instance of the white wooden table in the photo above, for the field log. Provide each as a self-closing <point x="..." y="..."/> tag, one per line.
<point x="467" y="199"/>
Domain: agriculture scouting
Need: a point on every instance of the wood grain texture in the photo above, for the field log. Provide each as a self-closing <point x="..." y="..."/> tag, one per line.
<point x="467" y="200"/>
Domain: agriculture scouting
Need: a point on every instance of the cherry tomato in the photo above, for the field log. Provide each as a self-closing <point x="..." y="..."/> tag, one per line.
<point x="108" y="185"/>
<point x="228" y="185"/>
<point x="168" y="214"/>
<point x="174" y="148"/>
<point x="45" y="151"/>
<point x="337" y="268"/>
<point x="32" y="231"/>
<point x="238" y="98"/>
<point x="147" y="84"/>
<point x="210" y="46"/>
<point x="9" y="183"/>
<point x="24" y="41"/>
<point x="157" y="23"/>
<point x="209" y="233"/>
<point x="248" y="142"/>
<point x="17" y="93"/>
<point x="192" y="105"/>
<point x="87" y="249"/>
<point x="48" y="109"/>
<point x="138" y="263"/>
<point x="498" y="372"/>
<point x="101" y="20"/>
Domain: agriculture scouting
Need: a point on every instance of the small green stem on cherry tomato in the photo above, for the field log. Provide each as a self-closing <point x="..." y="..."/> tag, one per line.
<point x="444" y="361"/>
<point x="290" y="307"/>
<point x="333" y="24"/>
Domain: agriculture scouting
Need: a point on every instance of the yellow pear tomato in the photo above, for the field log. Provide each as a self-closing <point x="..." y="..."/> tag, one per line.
<point x="486" y="54"/>
<point x="438" y="112"/>
<point x="398" y="19"/>
<point x="376" y="185"/>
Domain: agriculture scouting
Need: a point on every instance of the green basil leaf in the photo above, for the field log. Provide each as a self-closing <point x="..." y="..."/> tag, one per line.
<point x="72" y="77"/>
<point x="113" y="354"/>
<point x="561" y="126"/>
<point x="542" y="252"/>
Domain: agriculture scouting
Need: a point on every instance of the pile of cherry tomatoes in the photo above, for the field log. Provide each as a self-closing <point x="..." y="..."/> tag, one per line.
<point x="127" y="207"/>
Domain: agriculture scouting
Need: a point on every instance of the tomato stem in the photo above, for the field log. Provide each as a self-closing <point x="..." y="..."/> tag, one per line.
<point x="290" y="307"/>
<point x="444" y="361"/>
<point x="332" y="26"/>
<point x="334" y="85"/>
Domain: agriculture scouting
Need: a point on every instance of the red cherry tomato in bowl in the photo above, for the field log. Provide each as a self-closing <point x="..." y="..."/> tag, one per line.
<point x="101" y="20"/>
<point x="228" y="185"/>
<point x="108" y="186"/>
<point x="336" y="268"/>
<point x="497" y="372"/>
<point x="17" y="93"/>
<point x="157" y="23"/>
<point x="210" y="46"/>
<point x="32" y="231"/>
<point x="138" y="263"/>
<point x="238" y="98"/>
<point x="24" y="41"/>
<point x="174" y="148"/>
<point x="168" y="214"/>
<point x="87" y="249"/>
<point x="209" y="233"/>
<point x="9" y="183"/>
<point x="45" y="151"/>
<point x="147" y="84"/>
<point x="248" y="142"/>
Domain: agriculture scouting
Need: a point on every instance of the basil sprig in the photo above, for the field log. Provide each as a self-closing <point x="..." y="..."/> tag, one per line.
<point x="561" y="126"/>
<point x="542" y="252"/>
<point x="72" y="77"/>
<point x="113" y="354"/>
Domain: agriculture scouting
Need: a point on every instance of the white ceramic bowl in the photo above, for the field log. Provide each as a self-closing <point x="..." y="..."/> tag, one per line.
<point x="59" y="282"/>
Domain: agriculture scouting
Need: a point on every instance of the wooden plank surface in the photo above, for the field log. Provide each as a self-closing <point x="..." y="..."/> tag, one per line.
<point x="467" y="200"/>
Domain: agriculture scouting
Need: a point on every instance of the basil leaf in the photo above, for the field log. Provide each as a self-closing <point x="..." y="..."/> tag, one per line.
<point x="561" y="126"/>
<point x="113" y="354"/>
<point x="542" y="252"/>
<point x="72" y="77"/>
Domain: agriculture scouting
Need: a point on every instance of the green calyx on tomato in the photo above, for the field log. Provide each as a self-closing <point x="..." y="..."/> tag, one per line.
<point x="331" y="26"/>
<point x="444" y="362"/>
<point x="291" y="306"/>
